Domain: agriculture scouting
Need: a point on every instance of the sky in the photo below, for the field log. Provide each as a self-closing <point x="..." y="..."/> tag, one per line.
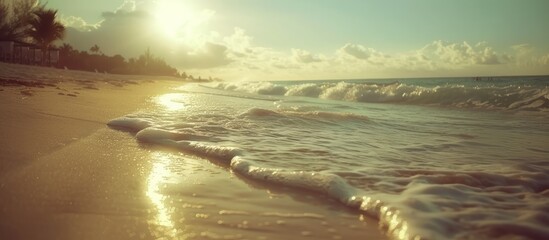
<point x="319" y="39"/>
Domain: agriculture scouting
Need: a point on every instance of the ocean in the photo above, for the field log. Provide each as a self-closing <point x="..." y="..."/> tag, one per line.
<point x="435" y="158"/>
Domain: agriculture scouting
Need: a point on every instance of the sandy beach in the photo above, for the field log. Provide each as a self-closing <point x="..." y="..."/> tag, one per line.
<point x="64" y="174"/>
<point x="168" y="120"/>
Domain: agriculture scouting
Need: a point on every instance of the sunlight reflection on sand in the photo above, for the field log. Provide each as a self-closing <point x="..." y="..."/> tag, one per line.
<point x="171" y="101"/>
<point x="157" y="179"/>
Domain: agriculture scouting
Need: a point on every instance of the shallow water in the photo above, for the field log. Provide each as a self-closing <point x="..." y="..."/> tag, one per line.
<point x="430" y="158"/>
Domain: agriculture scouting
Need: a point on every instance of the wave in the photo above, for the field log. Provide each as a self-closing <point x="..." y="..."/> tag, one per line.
<point x="511" y="97"/>
<point x="311" y="115"/>
<point x="306" y="144"/>
<point x="410" y="204"/>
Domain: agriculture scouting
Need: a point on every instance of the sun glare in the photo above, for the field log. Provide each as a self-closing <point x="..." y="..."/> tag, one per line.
<point x="171" y="17"/>
<point x="171" y="101"/>
<point x="174" y="19"/>
<point x="179" y="22"/>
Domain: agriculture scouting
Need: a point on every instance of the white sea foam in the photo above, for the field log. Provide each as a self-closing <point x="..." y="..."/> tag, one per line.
<point x="422" y="172"/>
<point x="219" y="152"/>
<point x="433" y="199"/>
<point x="186" y="143"/>
<point x="329" y="184"/>
<point x="153" y="134"/>
<point x="457" y="95"/>
<point x="317" y="115"/>
<point x="131" y="124"/>
<point x="429" y="204"/>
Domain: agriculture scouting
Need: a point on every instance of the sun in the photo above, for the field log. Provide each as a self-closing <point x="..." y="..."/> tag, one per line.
<point x="173" y="18"/>
<point x="181" y="22"/>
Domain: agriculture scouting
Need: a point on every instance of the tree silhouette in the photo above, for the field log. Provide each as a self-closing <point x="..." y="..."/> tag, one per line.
<point x="24" y="20"/>
<point x="14" y="19"/>
<point x="45" y="29"/>
<point x="66" y="49"/>
<point x="95" y="49"/>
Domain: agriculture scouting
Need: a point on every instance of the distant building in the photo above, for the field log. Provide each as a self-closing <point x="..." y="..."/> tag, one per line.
<point x="25" y="53"/>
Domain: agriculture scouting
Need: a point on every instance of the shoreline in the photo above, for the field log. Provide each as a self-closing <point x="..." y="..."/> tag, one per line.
<point x="69" y="176"/>
<point x="46" y="109"/>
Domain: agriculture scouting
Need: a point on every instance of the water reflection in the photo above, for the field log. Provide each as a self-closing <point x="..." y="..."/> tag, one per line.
<point x="172" y="101"/>
<point x="157" y="180"/>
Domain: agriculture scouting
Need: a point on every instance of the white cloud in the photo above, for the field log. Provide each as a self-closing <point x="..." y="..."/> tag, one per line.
<point x="190" y="45"/>
<point x="210" y="55"/>
<point x="526" y="55"/>
<point x="458" y="55"/>
<point x="121" y="32"/>
<point x="544" y="60"/>
<point x="303" y="56"/>
<point x="132" y="29"/>
<point x="78" y="23"/>
<point x="352" y="60"/>
<point x="361" y="55"/>
<point x="522" y="49"/>
<point x="239" y="44"/>
<point x="128" y="6"/>
<point x="357" y="51"/>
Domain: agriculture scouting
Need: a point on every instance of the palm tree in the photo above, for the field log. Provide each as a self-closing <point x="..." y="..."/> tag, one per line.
<point x="65" y="49"/>
<point x="4" y="21"/>
<point x="45" y="29"/>
<point x="66" y="55"/>
<point x="14" y="18"/>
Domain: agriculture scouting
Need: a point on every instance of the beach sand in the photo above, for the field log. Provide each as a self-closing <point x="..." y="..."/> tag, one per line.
<point x="65" y="175"/>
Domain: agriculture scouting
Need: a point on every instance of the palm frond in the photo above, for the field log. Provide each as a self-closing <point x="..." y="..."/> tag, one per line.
<point x="44" y="28"/>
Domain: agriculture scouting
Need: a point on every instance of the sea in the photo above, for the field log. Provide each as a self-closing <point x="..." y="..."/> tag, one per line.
<point x="430" y="158"/>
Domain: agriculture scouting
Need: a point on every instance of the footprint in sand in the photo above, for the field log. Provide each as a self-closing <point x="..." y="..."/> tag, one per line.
<point x="68" y="94"/>
<point x="27" y="92"/>
<point x="91" y="87"/>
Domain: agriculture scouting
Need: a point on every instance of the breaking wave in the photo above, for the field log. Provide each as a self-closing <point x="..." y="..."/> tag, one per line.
<point x="457" y="95"/>
<point x="424" y="173"/>
<point x="410" y="204"/>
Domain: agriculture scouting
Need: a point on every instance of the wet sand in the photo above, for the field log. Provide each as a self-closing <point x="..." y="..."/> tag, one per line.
<point x="65" y="175"/>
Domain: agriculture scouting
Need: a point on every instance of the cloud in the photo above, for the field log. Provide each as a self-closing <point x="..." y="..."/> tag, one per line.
<point x="208" y="56"/>
<point x="128" y="6"/>
<point x="78" y="23"/>
<point x="544" y="60"/>
<point x="356" y="50"/>
<point x="352" y="60"/>
<point x="132" y="29"/>
<point x="526" y="55"/>
<point x="239" y="43"/>
<point x="523" y="48"/>
<point x="302" y="56"/>
<point x="190" y="45"/>
<point x="462" y="54"/>
<point x="121" y="32"/>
